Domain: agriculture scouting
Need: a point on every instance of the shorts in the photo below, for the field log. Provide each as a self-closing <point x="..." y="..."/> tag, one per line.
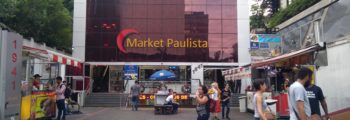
<point x="217" y="106"/>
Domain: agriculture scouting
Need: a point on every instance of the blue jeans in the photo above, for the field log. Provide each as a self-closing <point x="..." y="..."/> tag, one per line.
<point x="61" y="109"/>
<point x="225" y="105"/>
<point x="134" y="102"/>
<point x="203" y="117"/>
<point x="256" y="118"/>
<point x="175" y="106"/>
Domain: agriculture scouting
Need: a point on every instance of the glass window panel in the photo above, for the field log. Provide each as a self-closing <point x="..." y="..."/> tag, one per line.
<point x="215" y="26"/>
<point x="229" y="2"/>
<point x="199" y="8"/>
<point x="126" y="11"/>
<point x="214" y="2"/>
<point x="155" y="26"/>
<point x="229" y="55"/>
<point x="199" y="2"/>
<point x="154" y="11"/>
<point x="140" y="11"/>
<point x="229" y="40"/>
<point x="171" y="26"/>
<point x="188" y="8"/>
<point x="126" y="1"/>
<point x="188" y="2"/>
<point x="215" y="40"/>
<point x="230" y="26"/>
<point x="180" y="11"/>
<point x="214" y="12"/>
<point x="158" y="2"/>
<point x="169" y="11"/>
<point x="229" y="12"/>
<point x="215" y="54"/>
<point x="143" y="2"/>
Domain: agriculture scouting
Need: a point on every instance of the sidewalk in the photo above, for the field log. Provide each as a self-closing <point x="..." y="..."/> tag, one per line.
<point x="116" y="113"/>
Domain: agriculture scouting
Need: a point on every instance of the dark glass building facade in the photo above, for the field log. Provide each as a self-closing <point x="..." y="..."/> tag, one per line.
<point x="211" y="21"/>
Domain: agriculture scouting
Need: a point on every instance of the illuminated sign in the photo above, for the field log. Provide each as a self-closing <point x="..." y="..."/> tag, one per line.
<point x="151" y="97"/>
<point x="156" y="43"/>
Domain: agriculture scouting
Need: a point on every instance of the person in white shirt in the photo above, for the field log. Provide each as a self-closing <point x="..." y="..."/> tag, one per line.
<point x="170" y="101"/>
<point x="60" y="88"/>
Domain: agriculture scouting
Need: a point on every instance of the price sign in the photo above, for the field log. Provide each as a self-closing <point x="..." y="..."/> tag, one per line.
<point x="10" y="69"/>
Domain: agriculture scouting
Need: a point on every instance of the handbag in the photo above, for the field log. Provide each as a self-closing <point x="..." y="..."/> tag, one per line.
<point x="315" y="117"/>
<point x="269" y="115"/>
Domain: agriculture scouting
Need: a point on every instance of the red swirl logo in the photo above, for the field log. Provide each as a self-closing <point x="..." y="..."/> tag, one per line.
<point x="122" y="36"/>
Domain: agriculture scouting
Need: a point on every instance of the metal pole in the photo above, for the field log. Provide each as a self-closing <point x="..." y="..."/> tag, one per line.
<point x="83" y="76"/>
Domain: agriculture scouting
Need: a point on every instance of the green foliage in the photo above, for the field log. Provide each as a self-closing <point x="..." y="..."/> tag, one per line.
<point x="257" y="19"/>
<point x="295" y="8"/>
<point x="47" y="21"/>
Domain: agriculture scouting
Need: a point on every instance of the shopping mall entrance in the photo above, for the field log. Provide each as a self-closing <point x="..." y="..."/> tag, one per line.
<point x="114" y="78"/>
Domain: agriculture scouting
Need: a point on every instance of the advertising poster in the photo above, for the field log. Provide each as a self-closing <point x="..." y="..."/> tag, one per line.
<point x="131" y="72"/>
<point x="10" y="75"/>
<point x="43" y="106"/>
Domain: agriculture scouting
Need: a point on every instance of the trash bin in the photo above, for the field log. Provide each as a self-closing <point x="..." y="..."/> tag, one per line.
<point x="271" y="103"/>
<point x="242" y="104"/>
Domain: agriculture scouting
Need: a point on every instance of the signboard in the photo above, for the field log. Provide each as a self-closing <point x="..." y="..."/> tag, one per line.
<point x="268" y="38"/>
<point x="194" y="86"/>
<point x="10" y="75"/>
<point x="254" y="45"/>
<point x="264" y="45"/>
<point x="131" y="72"/>
<point x="197" y="71"/>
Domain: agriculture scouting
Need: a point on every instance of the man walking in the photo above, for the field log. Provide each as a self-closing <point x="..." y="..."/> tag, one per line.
<point x="299" y="105"/>
<point x="315" y="95"/>
<point x="135" y="92"/>
<point x="60" y="89"/>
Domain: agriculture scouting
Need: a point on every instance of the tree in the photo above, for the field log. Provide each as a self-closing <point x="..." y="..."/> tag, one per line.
<point x="47" y="21"/>
<point x="7" y="9"/>
<point x="261" y="11"/>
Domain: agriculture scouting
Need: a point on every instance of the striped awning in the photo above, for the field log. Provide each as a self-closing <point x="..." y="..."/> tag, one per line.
<point x="285" y="56"/>
<point x="54" y="56"/>
<point x="64" y="59"/>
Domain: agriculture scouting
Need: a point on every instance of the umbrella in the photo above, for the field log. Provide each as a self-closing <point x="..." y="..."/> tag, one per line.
<point x="163" y="75"/>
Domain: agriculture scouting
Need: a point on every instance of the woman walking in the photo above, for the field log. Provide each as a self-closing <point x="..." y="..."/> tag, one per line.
<point x="215" y="106"/>
<point x="203" y="103"/>
<point x="225" y="97"/>
<point x="258" y="101"/>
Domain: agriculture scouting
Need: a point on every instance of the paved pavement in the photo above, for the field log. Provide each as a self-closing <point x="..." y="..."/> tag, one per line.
<point x="115" y="113"/>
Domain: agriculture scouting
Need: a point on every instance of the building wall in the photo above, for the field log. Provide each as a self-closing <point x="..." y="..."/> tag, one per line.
<point x="334" y="78"/>
<point x="243" y="32"/>
<point x="79" y="25"/>
<point x="220" y="28"/>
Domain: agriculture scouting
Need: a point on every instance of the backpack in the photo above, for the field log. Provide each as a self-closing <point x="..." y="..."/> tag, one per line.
<point x="67" y="92"/>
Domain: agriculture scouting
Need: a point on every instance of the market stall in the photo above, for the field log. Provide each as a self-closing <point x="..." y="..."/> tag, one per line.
<point x="38" y="95"/>
<point x="279" y="72"/>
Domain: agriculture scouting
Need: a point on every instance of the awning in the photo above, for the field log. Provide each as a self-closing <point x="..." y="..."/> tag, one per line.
<point x="53" y="56"/>
<point x="64" y="59"/>
<point x="285" y="56"/>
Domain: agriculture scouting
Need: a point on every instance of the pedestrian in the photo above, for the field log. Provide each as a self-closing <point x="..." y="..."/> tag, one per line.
<point x="225" y="97"/>
<point x="258" y="100"/>
<point x="170" y="100"/>
<point x="203" y="103"/>
<point x="299" y="105"/>
<point x="60" y="89"/>
<point x="315" y="95"/>
<point x="186" y="88"/>
<point x="36" y="82"/>
<point x="214" y="94"/>
<point x="135" y="92"/>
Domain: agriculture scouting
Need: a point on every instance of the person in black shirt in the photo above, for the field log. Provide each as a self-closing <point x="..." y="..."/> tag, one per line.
<point x="315" y="95"/>
<point x="225" y="97"/>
